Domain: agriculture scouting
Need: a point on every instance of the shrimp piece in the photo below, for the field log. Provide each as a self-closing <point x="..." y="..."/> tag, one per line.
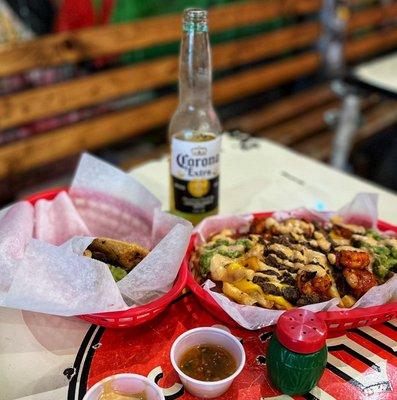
<point x="259" y="225"/>
<point x="309" y="284"/>
<point x="352" y="259"/>
<point x="360" y="280"/>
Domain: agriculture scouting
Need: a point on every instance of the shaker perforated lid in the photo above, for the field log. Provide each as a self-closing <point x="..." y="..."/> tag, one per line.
<point x="301" y="331"/>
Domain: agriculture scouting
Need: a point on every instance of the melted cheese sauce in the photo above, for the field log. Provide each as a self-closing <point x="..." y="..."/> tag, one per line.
<point x="366" y="239"/>
<point x="321" y="241"/>
<point x="284" y="250"/>
<point x="349" y="248"/>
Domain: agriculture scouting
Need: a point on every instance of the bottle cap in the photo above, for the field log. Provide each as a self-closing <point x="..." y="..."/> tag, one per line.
<point x="195" y="15"/>
<point x="195" y="19"/>
<point x="301" y="331"/>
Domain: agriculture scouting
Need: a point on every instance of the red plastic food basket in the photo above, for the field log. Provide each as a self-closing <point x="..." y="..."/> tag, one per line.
<point x="335" y="320"/>
<point x="133" y="316"/>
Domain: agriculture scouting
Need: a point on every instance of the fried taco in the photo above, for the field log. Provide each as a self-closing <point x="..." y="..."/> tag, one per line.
<point x="121" y="257"/>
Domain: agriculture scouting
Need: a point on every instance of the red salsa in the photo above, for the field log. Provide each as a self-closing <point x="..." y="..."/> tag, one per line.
<point x="207" y="362"/>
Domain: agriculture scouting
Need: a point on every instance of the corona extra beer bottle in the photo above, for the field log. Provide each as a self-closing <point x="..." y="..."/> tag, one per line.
<point x="194" y="129"/>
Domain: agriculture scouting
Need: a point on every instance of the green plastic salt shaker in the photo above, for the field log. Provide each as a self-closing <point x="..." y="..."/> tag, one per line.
<point x="297" y="352"/>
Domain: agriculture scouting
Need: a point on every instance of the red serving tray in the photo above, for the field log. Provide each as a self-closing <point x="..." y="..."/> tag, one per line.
<point x="133" y="316"/>
<point x="335" y="320"/>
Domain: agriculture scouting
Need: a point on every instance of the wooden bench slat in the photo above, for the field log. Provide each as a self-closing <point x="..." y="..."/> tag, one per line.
<point x="21" y="108"/>
<point x="45" y="102"/>
<point x="309" y="123"/>
<point x="380" y="117"/>
<point x="34" y="104"/>
<point x="257" y="79"/>
<point x="376" y="119"/>
<point x="371" y="44"/>
<point x="372" y="16"/>
<point x="40" y="149"/>
<point x="72" y="47"/>
<point x="281" y="110"/>
<point x="300" y="127"/>
<point x="254" y="48"/>
<point x="318" y="146"/>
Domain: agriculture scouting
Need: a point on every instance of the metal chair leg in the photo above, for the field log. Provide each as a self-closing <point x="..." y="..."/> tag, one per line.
<point x="347" y="127"/>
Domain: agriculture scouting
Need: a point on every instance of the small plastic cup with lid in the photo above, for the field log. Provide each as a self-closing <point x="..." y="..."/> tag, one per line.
<point x="297" y="352"/>
<point x="207" y="336"/>
<point x="127" y="384"/>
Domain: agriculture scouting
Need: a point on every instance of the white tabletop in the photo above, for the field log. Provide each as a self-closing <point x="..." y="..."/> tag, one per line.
<point x="381" y="73"/>
<point x="264" y="177"/>
<point x="272" y="177"/>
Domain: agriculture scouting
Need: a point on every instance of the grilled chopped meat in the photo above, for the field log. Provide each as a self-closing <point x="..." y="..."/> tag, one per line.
<point x="306" y="276"/>
<point x="308" y="299"/>
<point x="271" y="260"/>
<point x="279" y="264"/>
<point x="284" y="240"/>
<point x="271" y="272"/>
<point x="277" y="253"/>
<point x="291" y="294"/>
<point x="260" y="278"/>
<point x="266" y="286"/>
<point x="288" y="279"/>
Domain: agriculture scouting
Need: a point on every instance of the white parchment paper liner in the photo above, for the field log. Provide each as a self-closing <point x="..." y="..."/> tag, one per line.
<point x="41" y="264"/>
<point x="363" y="210"/>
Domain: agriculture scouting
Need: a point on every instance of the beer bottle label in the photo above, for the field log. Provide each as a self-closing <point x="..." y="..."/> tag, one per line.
<point x="195" y="174"/>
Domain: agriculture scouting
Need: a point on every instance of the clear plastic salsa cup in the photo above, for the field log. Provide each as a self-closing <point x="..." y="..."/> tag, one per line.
<point x="128" y="384"/>
<point x="213" y="336"/>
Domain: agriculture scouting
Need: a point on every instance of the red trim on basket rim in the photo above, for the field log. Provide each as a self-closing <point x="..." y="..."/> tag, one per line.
<point x="133" y="316"/>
